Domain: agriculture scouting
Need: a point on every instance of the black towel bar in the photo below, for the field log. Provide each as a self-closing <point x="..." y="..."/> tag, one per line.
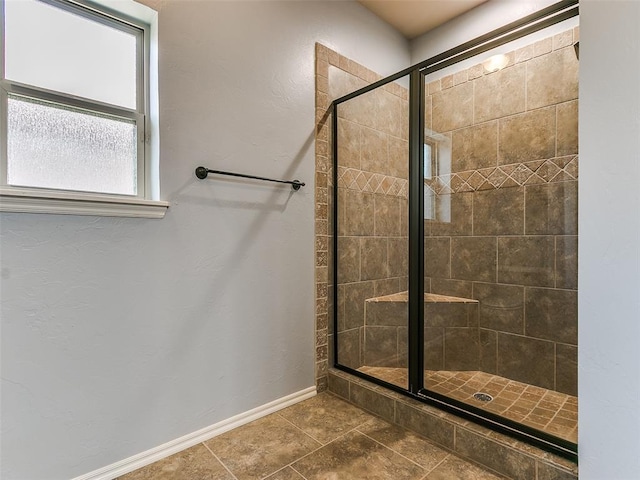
<point x="202" y="172"/>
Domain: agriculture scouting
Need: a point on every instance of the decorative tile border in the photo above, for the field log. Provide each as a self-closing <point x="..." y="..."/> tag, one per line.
<point x="362" y="181"/>
<point x="561" y="169"/>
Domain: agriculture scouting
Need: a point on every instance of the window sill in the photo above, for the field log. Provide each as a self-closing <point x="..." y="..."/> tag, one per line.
<point x="20" y="200"/>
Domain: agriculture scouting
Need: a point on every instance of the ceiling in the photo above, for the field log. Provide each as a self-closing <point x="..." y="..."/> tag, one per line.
<point x="412" y="18"/>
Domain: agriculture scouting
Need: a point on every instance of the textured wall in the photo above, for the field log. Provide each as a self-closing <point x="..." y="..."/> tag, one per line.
<point x="609" y="265"/>
<point x="121" y="334"/>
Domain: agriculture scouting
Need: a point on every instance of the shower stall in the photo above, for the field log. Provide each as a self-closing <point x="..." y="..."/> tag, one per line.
<point x="454" y="217"/>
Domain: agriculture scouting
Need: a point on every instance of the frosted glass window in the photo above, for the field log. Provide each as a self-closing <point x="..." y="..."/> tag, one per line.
<point x="51" y="146"/>
<point x="48" y="47"/>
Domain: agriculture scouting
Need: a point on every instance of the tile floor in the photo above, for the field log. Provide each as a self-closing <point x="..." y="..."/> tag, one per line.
<point x="552" y="412"/>
<point x="321" y="438"/>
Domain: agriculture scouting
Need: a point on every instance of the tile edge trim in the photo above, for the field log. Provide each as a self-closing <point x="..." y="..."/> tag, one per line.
<point x="152" y="455"/>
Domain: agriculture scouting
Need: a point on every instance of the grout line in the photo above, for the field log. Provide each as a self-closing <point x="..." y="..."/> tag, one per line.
<point x="298" y="428"/>
<point x="293" y="468"/>
<point x="439" y="463"/>
<point x="391" y="449"/>
<point x="221" y="462"/>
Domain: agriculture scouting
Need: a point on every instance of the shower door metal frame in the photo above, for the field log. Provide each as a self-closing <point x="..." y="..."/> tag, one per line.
<point x="416" y="389"/>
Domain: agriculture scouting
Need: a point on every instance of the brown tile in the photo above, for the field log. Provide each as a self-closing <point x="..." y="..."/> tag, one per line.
<point x="400" y="440"/>
<point x="526" y="360"/>
<point x="552" y="78"/>
<point x="528" y="136"/>
<point x="494" y="455"/>
<point x="437" y="257"/>
<point x="454" y="468"/>
<point x="358" y="213"/>
<point x="453" y="108"/>
<point x="325" y="417"/>
<point x="286" y="473"/>
<point x="441" y="314"/>
<point x="475" y="147"/>
<point x="460" y="217"/>
<point x="567" y="262"/>
<point x="373" y="258"/>
<point x="338" y="385"/>
<point x="567" y="369"/>
<point x="262" y="447"/>
<point x="350" y="348"/>
<point x="434" y="348"/>
<point x="552" y="209"/>
<point x="373" y="401"/>
<point x="526" y="260"/>
<point x="348" y="144"/>
<point x="398" y="158"/>
<point x="434" y="428"/>
<point x="499" y="212"/>
<point x="455" y="288"/>
<point x="567" y="139"/>
<point x="387" y="215"/>
<point x="387" y="313"/>
<point x="552" y="314"/>
<point x="549" y="472"/>
<point x="461" y="349"/>
<point x="381" y="346"/>
<point x="355" y="295"/>
<point x="473" y="258"/>
<point x="341" y="83"/>
<point x="386" y="286"/>
<point x="374" y="151"/>
<point x="500" y="94"/>
<point x="357" y="456"/>
<point x="348" y="259"/>
<point x="195" y="462"/>
<point x="501" y="306"/>
<point x="398" y="255"/>
<point x="488" y="350"/>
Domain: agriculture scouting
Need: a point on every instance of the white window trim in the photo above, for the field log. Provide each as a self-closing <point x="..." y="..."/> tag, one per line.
<point x="37" y="200"/>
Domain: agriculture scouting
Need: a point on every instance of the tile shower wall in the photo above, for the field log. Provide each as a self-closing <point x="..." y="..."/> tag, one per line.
<point x="504" y="228"/>
<point x="373" y="172"/>
<point x="372" y="220"/>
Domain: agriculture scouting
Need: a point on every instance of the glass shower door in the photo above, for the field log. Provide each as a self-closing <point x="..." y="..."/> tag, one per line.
<point x="372" y="260"/>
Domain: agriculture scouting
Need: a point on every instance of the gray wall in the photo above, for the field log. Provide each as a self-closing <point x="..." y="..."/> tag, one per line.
<point x="609" y="222"/>
<point x="121" y="334"/>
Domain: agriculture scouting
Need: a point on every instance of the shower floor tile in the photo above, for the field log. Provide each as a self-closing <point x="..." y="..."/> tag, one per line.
<point x="323" y="437"/>
<point x="552" y="412"/>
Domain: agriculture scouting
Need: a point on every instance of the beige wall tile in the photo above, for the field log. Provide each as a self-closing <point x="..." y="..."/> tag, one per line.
<point x="475" y="147"/>
<point x="473" y="258"/>
<point x="500" y="94"/>
<point x="526" y="260"/>
<point x="499" y="212"/>
<point x="453" y="108"/>
<point x="552" y="314"/>
<point x="348" y="143"/>
<point x="567" y="137"/>
<point x="501" y="306"/>
<point x="374" y="260"/>
<point x="552" y="78"/>
<point x="528" y="136"/>
<point x="526" y="360"/>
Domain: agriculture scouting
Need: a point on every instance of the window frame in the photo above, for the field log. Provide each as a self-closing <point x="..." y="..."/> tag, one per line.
<point x="146" y="202"/>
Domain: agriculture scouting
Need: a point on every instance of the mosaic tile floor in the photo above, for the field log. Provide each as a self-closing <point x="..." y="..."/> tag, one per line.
<point x="552" y="412"/>
<point x="319" y="439"/>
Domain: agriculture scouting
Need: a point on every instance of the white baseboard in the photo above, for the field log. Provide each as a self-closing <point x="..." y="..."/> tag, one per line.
<point x="158" y="453"/>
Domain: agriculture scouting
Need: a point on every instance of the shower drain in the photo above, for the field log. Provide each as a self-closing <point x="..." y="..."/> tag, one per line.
<point x="482" y="397"/>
